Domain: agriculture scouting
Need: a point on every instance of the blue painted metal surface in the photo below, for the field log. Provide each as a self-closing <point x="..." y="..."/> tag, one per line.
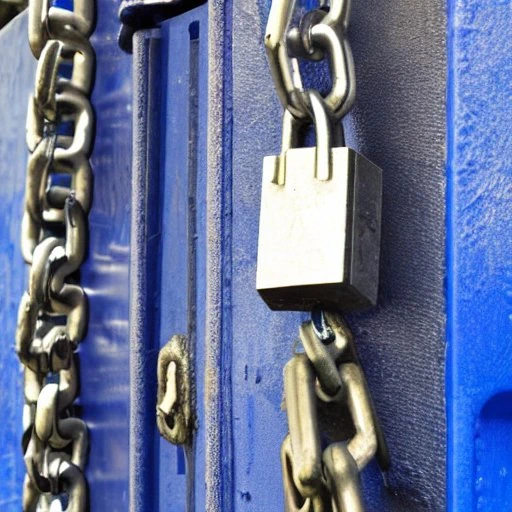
<point x="169" y="236"/>
<point x="182" y="263"/>
<point x="145" y="242"/>
<point x="104" y="354"/>
<point x="245" y="345"/>
<point x="479" y="286"/>
<point x="193" y="247"/>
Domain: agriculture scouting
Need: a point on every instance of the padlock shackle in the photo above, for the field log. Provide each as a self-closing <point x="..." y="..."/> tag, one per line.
<point x="323" y="159"/>
<point x="323" y="131"/>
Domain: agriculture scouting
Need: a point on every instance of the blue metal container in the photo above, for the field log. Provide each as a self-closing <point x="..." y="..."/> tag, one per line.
<point x="182" y="126"/>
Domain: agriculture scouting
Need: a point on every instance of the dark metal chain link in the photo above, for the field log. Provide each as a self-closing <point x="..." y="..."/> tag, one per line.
<point x="52" y="317"/>
<point x="320" y="35"/>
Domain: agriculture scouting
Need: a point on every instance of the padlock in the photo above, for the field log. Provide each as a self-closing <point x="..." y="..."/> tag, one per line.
<point x="320" y="223"/>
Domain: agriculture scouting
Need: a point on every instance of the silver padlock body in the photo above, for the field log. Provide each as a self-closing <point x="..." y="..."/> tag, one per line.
<point x="319" y="241"/>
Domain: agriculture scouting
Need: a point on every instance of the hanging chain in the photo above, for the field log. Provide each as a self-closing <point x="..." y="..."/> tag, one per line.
<point x="333" y="428"/>
<point x="52" y="317"/>
<point x="319" y="36"/>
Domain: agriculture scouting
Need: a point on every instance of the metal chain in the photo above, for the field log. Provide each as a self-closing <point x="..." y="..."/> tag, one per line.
<point x="327" y="401"/>
<point x="52" y="317"/>
<point x="333" y="428"/>
<point x="320" y="35"/>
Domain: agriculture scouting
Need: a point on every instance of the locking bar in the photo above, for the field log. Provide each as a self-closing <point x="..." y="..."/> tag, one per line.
<point x="146" y="14"/>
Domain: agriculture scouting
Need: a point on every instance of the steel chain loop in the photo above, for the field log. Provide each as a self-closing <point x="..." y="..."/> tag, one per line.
<point x="320" y="36"/>
<point x="326" y="395"/>
<point x="327" y="398"/>
<point x="52" y="318"/>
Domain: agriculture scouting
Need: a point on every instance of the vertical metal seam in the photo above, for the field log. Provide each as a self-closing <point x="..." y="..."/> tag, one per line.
<point x="450" y="308"/>
<point x="217" y="367"/>
<point x="141" y="399"/>
<point x="192" y="230"/>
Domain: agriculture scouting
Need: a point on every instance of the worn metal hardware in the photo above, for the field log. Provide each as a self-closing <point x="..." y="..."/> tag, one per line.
<point x="327" y="35"/>
<point x="299" y="389"/>
<point x="321" y="327"/>
<point x="325" y="357"/>
<point x="319" y="241"/>
<point x="146" y="14"/>
<point x="328" y="479"/>
<point x="175" y="415"/>
<point x="342" y="478"/>
<point x="319" y="249"/>
<point x="294" y="500"/>
<point x="53" y="313"/>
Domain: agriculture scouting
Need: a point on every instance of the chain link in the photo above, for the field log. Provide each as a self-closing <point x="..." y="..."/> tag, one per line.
<point x="52" y="318"/>
<point x="333" y="428"/>
<point x="320" y="35"/>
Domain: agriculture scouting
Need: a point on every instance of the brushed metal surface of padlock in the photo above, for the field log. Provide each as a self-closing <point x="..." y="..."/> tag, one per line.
<point x="319" y="240"/>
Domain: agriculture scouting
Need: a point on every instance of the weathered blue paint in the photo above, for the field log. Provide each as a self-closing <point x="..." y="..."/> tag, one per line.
<point x="144" y="241"/>
<point x="219" y="477"/>
<point x="105" y="398"/>
<point x="182" y="255"/>
<point x="245" y="345"/>
<point x="479" y="277"/>
<point x="169" y="242"/>
<point x="241" y="345"/>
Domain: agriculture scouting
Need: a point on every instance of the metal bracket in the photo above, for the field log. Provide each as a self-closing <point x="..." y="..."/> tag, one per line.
<point x="174" y="411"/>
<point x="146" y="14"/>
